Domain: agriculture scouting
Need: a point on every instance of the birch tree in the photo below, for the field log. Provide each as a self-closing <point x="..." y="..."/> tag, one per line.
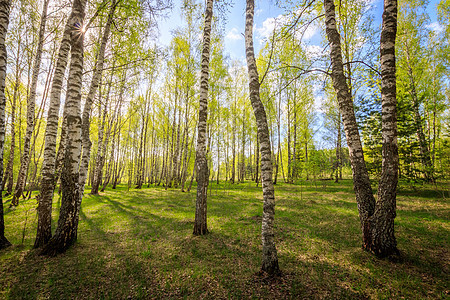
<point x="5" y="6"/>
<point x="97" y="73"/>
<point x="383" y="242"/>
<point x="377" y="219"/>
<point x="44" y="229"/>
<point x="25" y="159"/>
<point x="66" y="232"/>
<point x="200" y="224"/>
<point x="269" y="257"/>
<point x="361" y="182"/>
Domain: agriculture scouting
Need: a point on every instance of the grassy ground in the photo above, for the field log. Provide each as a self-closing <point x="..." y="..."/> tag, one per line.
<point x="139" y="244"/>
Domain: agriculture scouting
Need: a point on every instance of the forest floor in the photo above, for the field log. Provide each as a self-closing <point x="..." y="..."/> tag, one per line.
<point x="135" y="244"/>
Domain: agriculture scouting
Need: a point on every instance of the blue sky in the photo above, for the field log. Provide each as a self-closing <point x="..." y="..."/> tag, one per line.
<point x="265" y="12"/>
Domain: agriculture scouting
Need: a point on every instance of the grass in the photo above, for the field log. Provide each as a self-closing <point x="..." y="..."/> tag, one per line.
<point x="139" y="244"/>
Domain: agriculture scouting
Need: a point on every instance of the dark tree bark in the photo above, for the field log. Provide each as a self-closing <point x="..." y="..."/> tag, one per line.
<point x="5" y="6"/>
<point x="200" y="224"/>
<point x="269" y="257"/>
<point x="66" y="232"/>
<point x="382" y="222"/>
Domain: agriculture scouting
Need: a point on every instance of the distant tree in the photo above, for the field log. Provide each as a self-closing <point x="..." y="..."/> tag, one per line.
<point x="98" y="69"/>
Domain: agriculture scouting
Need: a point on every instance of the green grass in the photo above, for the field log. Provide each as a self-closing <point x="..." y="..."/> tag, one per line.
<point x="139" y="244"/>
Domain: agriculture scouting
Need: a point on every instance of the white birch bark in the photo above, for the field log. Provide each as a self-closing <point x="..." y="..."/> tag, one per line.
<point x="66" y="232"/>
<point x="200" y="224"/>
<point x="269" y="257"/>
<point x="5" y="6"/>
<point x="31" y="103"/>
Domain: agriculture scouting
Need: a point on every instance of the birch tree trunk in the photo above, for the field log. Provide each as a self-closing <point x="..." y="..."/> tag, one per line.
<point x="233" y="165"/>
<point x="269" y="257"/>
<point x="25" y="159"/>
<point x="200" y="224"/>
<point x="382" y="222"/>
<point x="44" y="229"/>
<point x="4" y="22"/>
<point x="97" y="73"/>
<point x="66" y="232"/>
<point x="9" y="176"/>
<point x="361" y="182"/>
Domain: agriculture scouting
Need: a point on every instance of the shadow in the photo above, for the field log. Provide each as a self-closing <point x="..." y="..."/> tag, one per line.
<point x="138" y="244"/>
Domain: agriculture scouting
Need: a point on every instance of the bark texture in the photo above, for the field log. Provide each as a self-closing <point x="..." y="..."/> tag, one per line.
<point x="269" y="257"/>
<point x="90" y="99"/>
<point x="31" y="104"/>
<point x="66" y="232"/>
<point x="361" y="182"/>
<point x="200" y="224"/>
<point x="9" y="175"/>
<point x="44" y="229"/>
<point x="382" y="222"/>
<point x="5" y="6"/>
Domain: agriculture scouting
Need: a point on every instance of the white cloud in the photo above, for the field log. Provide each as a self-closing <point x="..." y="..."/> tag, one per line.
<point x="258" y="12"/>
<point x="310" y="32"/>
<point x="435" y="26"/>
<point x="267" y="28"/>
<point x="234" y="35"/>
<point x="270" y="23"/>
<point x="314" y="51"/>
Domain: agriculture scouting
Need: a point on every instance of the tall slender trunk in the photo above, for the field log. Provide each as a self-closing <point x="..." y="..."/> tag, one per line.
<point x="176" y="155"/>
<point x="218" y="143"/>
<point x="9" y="176"/>
<point x="186" y="163"/>
<point x="25" y="159"/>
<point x="102" y="139"/>
<point x="338" y="149"/>
<point x="382" y="222"/>
<point x="4" y="22"/>
<point x="241" y="165"/>
<point x="170" y="153"/>
<point x="423" y="144"/>
<point x="95" y="81"/>
<point x="233" y="165"/>
<point x="44" y="229"/>
<point x="257" y="161"/>
<point x="279" y="138"/>
<point x="289" y="175"/>
<point x="269" y="257"/>
<point x="200" y="225"/>
<point x="294" y="142"/>
<point x="66" y="232"/>
<point x="361" y="182"/>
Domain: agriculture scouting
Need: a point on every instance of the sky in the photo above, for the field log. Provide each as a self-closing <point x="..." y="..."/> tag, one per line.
<point x="265" y="12"/>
